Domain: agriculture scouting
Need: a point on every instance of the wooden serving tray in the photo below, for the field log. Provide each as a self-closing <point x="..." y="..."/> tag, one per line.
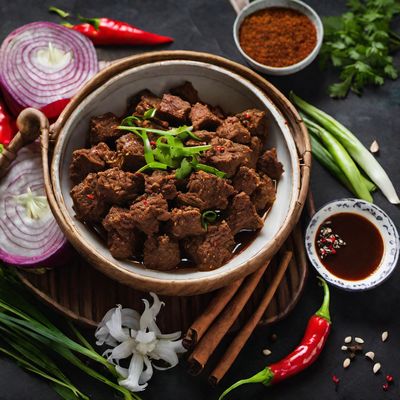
<point x="84" y="294"/>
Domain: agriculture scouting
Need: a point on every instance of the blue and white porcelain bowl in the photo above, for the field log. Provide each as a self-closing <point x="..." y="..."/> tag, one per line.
<point x="379" y="219"/>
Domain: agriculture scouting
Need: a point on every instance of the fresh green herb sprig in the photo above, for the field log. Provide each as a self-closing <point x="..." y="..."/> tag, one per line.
<point x="169" y="151"/>
<point x="359" y="43"/>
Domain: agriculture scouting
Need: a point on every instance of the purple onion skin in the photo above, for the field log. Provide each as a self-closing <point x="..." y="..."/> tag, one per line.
<point x="30" y="78"/>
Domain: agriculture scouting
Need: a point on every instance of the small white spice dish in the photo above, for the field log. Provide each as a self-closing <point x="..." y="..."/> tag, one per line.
<point x="379" y="219"/>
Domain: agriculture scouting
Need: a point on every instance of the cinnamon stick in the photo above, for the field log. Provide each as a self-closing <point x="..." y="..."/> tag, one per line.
<point x="214" y="308"/>
<point x="240" y="340"/>
<point x="200" y="355"/>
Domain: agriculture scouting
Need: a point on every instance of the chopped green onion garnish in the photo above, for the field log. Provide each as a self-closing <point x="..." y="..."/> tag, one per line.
<point x="130" y="121"/>
<point x="207" y="217"/>
<point x="209" y="169"/>
<point x="184" y="170"/>
<point x="153" y="165"/>
<point x="150" y="113"/>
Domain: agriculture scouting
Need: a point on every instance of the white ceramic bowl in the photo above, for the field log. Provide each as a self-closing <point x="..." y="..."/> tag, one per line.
<point x="216" y="85"/>
<point x="381" y="221"/>
<point x="295" y="5"/>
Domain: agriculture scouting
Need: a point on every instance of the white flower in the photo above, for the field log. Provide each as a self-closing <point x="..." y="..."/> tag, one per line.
<point x="138" y="336"/>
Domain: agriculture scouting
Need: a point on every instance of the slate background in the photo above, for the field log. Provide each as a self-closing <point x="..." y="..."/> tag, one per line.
<point x="206" y="26"/>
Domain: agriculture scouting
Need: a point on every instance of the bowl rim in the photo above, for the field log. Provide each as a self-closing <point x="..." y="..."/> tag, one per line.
<point x="391" y="250"/>
<point x="289" y="69"/>
<point x="198" y="285"/>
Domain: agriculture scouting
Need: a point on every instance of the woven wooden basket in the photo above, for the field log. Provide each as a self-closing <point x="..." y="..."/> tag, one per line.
<point x="138" y="278"/>
<point x="84" y="294"/>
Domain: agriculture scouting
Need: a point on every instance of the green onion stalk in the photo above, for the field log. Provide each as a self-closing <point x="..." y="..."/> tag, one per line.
<point x="354" y="147"/>
<point x="29" y="336"/>
<point x="342" y="159"/>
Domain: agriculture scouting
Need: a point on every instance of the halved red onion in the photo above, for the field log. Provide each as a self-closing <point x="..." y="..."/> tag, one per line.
<point x="29" y="234"/>
<point x="43" y="62"/>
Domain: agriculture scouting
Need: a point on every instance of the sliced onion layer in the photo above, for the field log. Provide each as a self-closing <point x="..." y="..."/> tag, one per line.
<point x="29" y="234"/>
<point x="42" y="62"/>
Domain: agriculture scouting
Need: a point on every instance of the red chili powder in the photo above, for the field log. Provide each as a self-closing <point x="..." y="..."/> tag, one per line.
<point x="277" y="36"/>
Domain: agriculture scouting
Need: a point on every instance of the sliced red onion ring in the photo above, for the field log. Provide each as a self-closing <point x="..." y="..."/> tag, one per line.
<point x="29" y="234"/>
<point x="43" y="62"/>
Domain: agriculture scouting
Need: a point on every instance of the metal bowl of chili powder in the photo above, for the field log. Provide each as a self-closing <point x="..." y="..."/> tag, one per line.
<point x="278" y="37"/>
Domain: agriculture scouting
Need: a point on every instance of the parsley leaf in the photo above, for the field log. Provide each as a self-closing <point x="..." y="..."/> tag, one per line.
<point x="359" y="44"/>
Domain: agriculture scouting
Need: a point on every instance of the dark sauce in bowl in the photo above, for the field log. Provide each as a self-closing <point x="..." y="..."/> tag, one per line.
<point x="363" y="251"/>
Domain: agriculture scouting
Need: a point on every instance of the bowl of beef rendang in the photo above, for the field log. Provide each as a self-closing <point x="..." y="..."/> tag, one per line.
<point x="353" y="244"/>
<point x="199" y="242"/>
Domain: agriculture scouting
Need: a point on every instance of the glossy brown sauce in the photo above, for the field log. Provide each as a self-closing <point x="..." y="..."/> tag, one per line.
<point x="363" y="251"/>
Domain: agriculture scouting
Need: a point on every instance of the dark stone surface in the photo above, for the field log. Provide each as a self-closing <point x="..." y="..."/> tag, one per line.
<point x="206" y="26"/>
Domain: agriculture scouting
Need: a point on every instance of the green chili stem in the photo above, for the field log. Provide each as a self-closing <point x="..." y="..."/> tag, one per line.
<point x="323" y="312"/>
<point x="265" y="377"/>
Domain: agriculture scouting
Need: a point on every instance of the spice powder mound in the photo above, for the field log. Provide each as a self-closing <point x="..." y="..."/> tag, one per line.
<point x="277" y="36"/>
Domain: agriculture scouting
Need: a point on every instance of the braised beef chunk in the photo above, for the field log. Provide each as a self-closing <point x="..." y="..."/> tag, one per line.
<point x="161" y="252"/>
<point x="260" y="188"/>
<point x="186" y="221"/>
<point x="227" y="156"/>
<point x="118" y="187"/>
<point x="95" y="159"/>
<point x="206" y="191"/>
<point x="232" y="129"/>
<point x="256" y="147"/>
<point x="130" y="148"/>
<point x="186" y="92"/>
<point x="204" y="136"/>
<point x="88" y="205"/>
<point x="121" y="236"/>
<point x="173" y="109"/>
<point x="148" y="211"/>
<point x="104" y="128"/>
<point x="212" y="250"/>
<point x="246" y="180"/>
<point x="264" y="195"/>
<point x="269" y="164"/>
<point x="255" y="121"/>
<point x="162" y="182"/>
<point x="243" y="215"/>
<point x="147" y="101"/>
<point x="203" y="118"/>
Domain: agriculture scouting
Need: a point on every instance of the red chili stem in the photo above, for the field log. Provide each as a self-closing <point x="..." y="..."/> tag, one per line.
<point x="106" y="31"/>
<point x="304" y="355"/>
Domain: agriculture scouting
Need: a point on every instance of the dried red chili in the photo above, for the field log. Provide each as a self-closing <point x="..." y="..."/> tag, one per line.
<point x="277" y="36"/>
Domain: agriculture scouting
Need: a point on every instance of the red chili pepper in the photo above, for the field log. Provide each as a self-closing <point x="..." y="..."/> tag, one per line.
<point x="54" y="109"/>
<point x="303" y="356"/>
<point x="8" y="127"/>
<point x="106" y="31"/>
<point x="90" y="196"/>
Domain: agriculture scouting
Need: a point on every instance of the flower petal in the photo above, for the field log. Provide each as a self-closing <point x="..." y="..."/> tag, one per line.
<point x="148" y="372"/>
<point x="123" y="350"/>
<point x="130" y="318"/>
<point x="115" y="328"/>
<point x="102" y="333"/>
<point x="135" y="370"/>
<point x="167" y="351"/>
<point x="124" y="372"/>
